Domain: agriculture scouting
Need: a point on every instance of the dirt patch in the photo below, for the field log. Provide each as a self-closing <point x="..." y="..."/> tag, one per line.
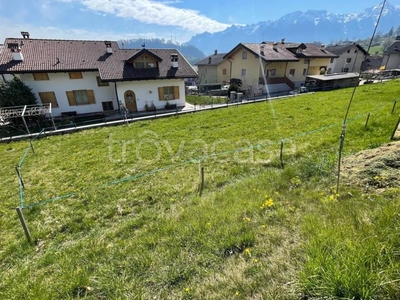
<point x="377" y="168"/>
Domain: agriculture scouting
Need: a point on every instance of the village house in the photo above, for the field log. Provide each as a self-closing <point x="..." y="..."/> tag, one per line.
<point x="350" y="58"/>
<point x="84" y="77"/>
<point x="267" y="67"/>
<point x="391" y="57"/>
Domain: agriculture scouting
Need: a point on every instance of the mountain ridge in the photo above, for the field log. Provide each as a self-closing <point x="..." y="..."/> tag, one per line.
<point x="308" y="26"/>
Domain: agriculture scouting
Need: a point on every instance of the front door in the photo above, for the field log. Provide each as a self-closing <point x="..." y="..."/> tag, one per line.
<point x="130" y="101"/>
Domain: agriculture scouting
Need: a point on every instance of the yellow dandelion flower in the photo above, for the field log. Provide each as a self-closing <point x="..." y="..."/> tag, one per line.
<point x="269" y="202"/>
<point x="187" y="290"/>
<point x="331" y="197"/>
<point x="263" y="226"/>
<point x="255" y="260"/>
<point x="237" y="293"/>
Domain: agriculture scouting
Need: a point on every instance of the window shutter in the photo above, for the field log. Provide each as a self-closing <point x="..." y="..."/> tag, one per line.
<point x="48" y="97"/>
<point x="71" y="98"/>
<point x="40" y="76"/>
<point x="75" y="75"/>
<point x="90" y="96"/>
<point x="160" y="93"/>
<point x="176" y="92"/>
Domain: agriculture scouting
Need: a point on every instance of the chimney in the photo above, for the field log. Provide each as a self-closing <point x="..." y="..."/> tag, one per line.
<point x="282" y="41"/>
<point x="25" y="34"/>
<point x="262" y="49"/>
<point x="209" y="60"/>
<point x="174" y="60"/>
<point x="397" y="38"/>
<point x="215" y="52"/>
<point x="275" y="46"/>
<point x="109" y="48"/>
<point x="322" y="46"/>
<point x="16" y="51"/>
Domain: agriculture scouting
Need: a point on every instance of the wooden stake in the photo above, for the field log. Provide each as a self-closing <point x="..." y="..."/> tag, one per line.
<point x="366" y="122"/>
<point x="19" y="176"/>
<point x="395" y="129"/>
<point x="201" y="174"/>
<point x="394" y="106"/>
<point x="23" y="223"/>
<point x="281" y="155"/>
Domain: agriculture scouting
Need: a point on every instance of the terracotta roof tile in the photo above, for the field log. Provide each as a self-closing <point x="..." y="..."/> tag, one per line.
<point x="43" y="55"/>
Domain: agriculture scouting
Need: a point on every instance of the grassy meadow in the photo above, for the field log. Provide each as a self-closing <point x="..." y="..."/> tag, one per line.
<point x="116" y="212"/>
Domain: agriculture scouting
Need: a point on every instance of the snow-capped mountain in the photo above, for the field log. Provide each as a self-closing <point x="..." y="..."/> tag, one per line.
<point x="309" y="26"/>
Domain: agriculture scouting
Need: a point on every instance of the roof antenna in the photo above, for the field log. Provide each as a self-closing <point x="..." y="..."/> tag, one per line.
<point x="143" y="45"/>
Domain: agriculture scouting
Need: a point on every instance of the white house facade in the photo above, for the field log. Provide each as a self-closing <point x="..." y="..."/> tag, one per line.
<point x="349" y="60"/>
<point x="84" y="77"/>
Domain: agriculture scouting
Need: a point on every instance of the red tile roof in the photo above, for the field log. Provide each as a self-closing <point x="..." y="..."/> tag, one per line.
<point x="44" y="55"/>
<point x="283" y="51"/>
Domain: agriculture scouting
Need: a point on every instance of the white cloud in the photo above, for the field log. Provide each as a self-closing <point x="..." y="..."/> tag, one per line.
<point x="153" y="12"/>
<point x="13" y="30"/>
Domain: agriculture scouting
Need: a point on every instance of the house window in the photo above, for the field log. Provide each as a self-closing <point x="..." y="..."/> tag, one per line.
<point x="48" y="97"/>
<point x="329" y="71"/>
<point x="150" y="65"/>
<point x="166" y="93"/>
<point x="75" y="75"/>
<point x="355" y="51"/>
<point x="348" y="51"/>
<point x="145" y="62"/>
<point x="299" y="50"/>
<point x="40" y="76"/>
<point x="304" y="72"/>
<point x="80" y="97"/>
<point x="244" y="55"/>
<point x="332" y="60"/>
<point x="348" y="60"/>
<point x="107" y="105"/>
<point x="291" y="72"/>
<point x="345" y="70"/>
<point x="272" y="72"/>
<point x="306" y="60"/>
<point x="139" y="65"/>
<point x="224" y="72"/>
<point x="101" y="82"/>
<point x="243" y="73"/>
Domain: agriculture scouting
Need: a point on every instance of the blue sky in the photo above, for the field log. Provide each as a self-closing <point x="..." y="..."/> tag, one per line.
<point x="124" y="19"/>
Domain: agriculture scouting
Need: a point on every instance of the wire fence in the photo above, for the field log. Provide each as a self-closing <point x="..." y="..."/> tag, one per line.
<point x="203" y="158"/>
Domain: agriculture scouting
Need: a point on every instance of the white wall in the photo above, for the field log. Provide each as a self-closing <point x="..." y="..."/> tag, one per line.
<point x="59" y="83"/>
<point x="353" y="66"/>
<point x="142" y="92"/>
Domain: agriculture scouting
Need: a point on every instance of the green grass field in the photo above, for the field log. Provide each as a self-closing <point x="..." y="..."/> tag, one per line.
<point x="115" y="212"/>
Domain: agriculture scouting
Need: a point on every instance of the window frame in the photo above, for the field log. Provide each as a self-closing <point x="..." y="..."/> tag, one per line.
<point x="272" y="72"/>
<point x="292" y="72"/>
<point x="73" y="101"/>
<point x="244" y="54"/>
<point x="48" y="97"/>
<point x="75" y="75"/>
<point x="40" y="76"/>
<point x="243" y="73"/>
<point x="164" y="93"/>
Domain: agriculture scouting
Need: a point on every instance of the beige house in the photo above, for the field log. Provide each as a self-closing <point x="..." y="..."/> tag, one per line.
<point x="391" y="57"/>
<point x="275" y="67"/>
<point x="349" y="60"/>
<point x="213" y="69"/>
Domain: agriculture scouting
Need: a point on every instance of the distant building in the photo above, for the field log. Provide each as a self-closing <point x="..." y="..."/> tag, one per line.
<point x="391" y="57"/>
<point x="350" y="58"/>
